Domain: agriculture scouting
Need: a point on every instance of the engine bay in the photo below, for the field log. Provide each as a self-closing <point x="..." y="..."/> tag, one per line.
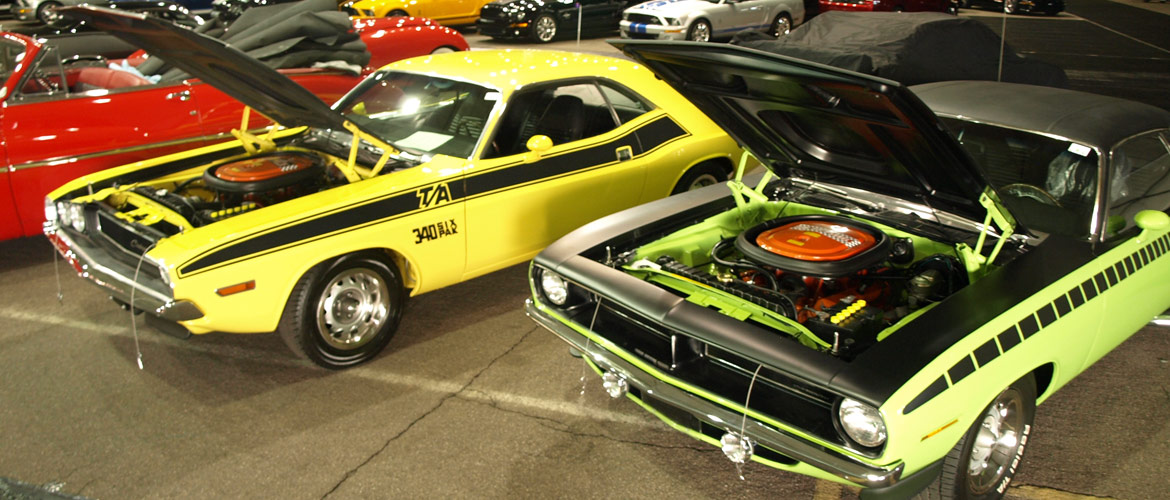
<point x="832" y="282"/>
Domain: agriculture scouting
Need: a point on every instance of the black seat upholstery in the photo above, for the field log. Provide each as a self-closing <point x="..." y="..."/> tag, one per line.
<point x="563" y="120"/>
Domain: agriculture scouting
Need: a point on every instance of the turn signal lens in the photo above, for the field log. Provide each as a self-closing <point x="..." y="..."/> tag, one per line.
<point x="237" y="288"/>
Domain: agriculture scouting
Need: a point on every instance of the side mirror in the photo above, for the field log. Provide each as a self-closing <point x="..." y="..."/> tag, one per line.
<point x="537" y="145"/>
<point x="1152" y="220"/>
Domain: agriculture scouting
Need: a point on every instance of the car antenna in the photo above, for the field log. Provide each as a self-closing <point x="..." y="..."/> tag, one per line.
<point x="133" y="323"/>
<point x="1002" y="42"/>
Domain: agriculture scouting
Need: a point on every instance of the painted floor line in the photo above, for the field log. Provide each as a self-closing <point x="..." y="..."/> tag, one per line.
<point x="412" y="381"/>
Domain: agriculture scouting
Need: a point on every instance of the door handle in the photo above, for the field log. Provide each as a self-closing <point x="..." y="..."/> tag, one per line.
<point x="624" y="153"/>
<point x="182" y="96"/>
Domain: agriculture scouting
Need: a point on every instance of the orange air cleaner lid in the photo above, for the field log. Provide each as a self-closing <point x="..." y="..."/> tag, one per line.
<point x="263" y="168"/>
<point x="815" y="240"/>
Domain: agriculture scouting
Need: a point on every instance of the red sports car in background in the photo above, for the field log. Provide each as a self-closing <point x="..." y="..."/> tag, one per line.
<point x="61" y="119"/>
<point x="950" y="6"/>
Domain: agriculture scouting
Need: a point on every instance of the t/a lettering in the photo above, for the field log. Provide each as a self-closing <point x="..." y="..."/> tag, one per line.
<point x="433" y="195"/>
<point x="435" y="231"/>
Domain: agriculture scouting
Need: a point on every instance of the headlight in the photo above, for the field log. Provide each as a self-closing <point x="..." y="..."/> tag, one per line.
<point x="50" y="211"/>
<point x="368" y="13"/>
<point x="670" y="21"/>
<point x="77" y="217"/>
<point x="862" y="423"/>
<point x="555" y="288"/>
<point x="63" y="213"/>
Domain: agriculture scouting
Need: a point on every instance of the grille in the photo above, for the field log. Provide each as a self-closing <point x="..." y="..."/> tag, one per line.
<point x="714" y="369"/>
<point x="643" y="19"/>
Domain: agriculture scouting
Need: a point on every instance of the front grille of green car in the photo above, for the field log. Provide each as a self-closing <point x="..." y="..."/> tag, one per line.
<point x="713" y="369"/>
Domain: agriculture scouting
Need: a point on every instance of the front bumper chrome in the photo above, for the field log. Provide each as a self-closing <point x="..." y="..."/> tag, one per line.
<point x="782" y="442"/>
<point x="150" y="294"/>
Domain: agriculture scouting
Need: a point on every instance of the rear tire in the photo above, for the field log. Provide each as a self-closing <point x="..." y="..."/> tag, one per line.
<point x="983" y="462"/>
<point x="781" y="26"/>
<point x="700" y="176"/>
<point x="343" y="312"/>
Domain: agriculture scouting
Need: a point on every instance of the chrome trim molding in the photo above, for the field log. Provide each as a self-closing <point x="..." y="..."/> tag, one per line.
<point x="151" y="294"/>
<point x="792" y="446"/>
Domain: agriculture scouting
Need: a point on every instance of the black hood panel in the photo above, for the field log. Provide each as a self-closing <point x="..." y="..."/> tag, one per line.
<point x="808" y="120"/>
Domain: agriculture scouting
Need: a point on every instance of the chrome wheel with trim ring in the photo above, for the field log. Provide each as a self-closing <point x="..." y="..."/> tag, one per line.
<point x="544" y="28"/>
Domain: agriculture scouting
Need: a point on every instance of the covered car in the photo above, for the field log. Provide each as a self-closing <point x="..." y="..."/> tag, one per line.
<point x="887" y="304"/>
<point x="433" y="170"/>
<point x="910" y="48"/>
<point x="65" y="116"/>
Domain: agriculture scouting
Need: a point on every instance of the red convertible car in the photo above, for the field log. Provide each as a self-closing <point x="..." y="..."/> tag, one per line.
<point x="61" y="119"/>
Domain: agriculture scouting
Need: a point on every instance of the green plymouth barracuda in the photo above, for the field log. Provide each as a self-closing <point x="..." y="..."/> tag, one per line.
<point x="886" y="305"/>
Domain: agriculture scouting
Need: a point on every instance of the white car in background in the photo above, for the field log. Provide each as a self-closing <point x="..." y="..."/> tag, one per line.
<point x="705" y="20"/>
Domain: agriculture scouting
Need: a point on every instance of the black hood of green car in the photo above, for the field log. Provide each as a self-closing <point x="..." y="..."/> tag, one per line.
<point x="808" y="120"/>
<point x="247" y="80"/>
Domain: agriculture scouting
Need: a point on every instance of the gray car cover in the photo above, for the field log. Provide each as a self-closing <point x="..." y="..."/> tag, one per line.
<point x="910" y="48"/>
<point x="290" y="35"/>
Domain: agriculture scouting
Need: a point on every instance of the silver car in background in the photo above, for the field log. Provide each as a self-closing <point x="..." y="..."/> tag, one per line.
<point x="706" y="20"/>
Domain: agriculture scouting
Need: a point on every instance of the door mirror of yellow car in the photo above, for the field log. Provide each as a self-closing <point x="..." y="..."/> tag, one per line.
<point x="537" y="145"/>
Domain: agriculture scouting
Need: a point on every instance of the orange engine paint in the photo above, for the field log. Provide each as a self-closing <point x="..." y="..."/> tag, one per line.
<point x="815" y="241"/>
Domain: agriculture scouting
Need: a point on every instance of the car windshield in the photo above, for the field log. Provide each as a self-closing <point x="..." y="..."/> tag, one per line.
<point x="424" y="115"/>
<point x="11" y="53"/>
<point x="1048" y="184"/>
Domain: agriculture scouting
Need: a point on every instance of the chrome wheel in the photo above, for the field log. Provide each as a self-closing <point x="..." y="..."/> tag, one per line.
<point x="544" y="29"/>
<point x="997" y="441"/>
<point x="352" y="308"/>
<point x="1009" y="6"/>
<point x="700" y="31"/>
<point x="781" y="26"/>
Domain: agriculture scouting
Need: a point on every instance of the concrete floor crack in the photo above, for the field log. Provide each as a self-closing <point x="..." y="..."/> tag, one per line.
<point x="558" y="426"/>
<point x="349" y="474"/>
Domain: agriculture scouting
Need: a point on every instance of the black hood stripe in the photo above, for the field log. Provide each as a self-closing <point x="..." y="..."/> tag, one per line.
<point x="643" y="140"/>
<point x="1045" y="316"/>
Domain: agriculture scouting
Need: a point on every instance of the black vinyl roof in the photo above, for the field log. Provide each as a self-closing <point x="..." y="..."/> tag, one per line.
<point x="1090" y="119"/>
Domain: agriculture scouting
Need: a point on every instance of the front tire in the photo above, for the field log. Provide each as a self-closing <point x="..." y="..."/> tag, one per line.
<point x="983" y="463"/>
<point x="343" y="312"/>
<point x="397" y="13"/>
<point x="1010" y="6"/>
<point x="700" y="31"/>
<point x="544" y="29"/>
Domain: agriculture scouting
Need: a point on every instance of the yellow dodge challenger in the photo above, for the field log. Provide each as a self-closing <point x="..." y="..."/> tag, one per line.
<point x="432" y="171"/>
<point x="446" y="12"/>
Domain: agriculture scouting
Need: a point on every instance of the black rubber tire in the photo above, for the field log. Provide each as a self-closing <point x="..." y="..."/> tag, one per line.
<point x="954" y="482"/>
<point x="699" y="176"/>
<point x="697" y="27"/>
<point x="772" y="30"/>
<point x="537" y="34"/>
<point x="1010" y="6"/>
<point x="299" y="323"/>
<point x="397" y="13"/>
<point x="43" y="12"/>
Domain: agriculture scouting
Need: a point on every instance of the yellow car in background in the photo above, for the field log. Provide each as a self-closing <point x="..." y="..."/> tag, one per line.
<point x="431" y="171"/>
<point x="446" y="12"/>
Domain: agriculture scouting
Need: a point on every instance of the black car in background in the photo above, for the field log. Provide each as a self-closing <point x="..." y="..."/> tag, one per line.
<point x="544" y="21"/>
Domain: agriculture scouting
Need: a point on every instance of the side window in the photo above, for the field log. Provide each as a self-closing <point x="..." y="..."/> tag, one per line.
<point x="626" y="106"/>
<point x="1139" y="179"/>
<point x="565" y="113"/>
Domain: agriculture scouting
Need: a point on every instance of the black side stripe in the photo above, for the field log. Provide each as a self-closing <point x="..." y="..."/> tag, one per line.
<point x="648" y="137"/>
<point x="1046" y="315"/>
